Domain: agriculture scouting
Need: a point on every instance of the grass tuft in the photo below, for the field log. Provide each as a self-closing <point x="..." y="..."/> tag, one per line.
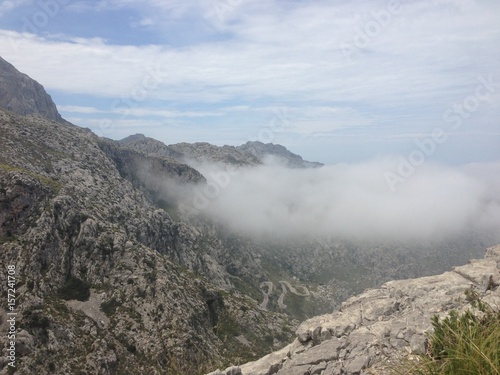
<point x="462" y="344"/>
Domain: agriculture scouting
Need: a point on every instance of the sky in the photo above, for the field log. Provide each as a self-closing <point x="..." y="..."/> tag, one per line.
<point x="333" y="81"/>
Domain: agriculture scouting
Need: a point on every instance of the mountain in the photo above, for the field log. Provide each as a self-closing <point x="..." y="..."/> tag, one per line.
<point x="112" y="277"/>
<point x="262" y="151"/>
<point x="150" y="146"/>
<point x="23" y="95"/>
<point x="107" y="281"/>
<point x="203" y="152"/>
<point x="374" y="331"/>
<point x="249" y="154"/>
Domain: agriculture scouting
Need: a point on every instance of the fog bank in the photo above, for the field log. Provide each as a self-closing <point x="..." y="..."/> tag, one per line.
<point x="353" y="200"/>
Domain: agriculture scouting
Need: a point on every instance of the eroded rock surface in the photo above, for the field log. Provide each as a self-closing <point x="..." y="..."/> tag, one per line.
<point x="21" y="94"/>
<point x="381" y="325"/>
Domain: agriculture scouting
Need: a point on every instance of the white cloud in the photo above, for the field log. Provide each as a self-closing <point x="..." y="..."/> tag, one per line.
<point x="9" y="5"/>
<point x="281" y="53"/>
<point x="426" y="58"/>
<point x="144" y="22"/>
<point x="138" y="112"/>
<point x="354" y="201"/>
<point x="78" y="109"/>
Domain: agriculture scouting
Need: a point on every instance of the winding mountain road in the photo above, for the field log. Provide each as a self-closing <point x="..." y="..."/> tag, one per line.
<point x="284" y="286"/>
<point x="266" y="294"/>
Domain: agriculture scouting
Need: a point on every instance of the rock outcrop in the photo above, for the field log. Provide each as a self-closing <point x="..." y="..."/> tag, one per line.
<point x="150" y="146"/>
<point x="161" y="177"/>
<point x="23" y="95"/>
<point x="279" y="153"/>
<point x="206" y="152"/>
<point x="249" y="154"/>
<point x="372" y="331"/>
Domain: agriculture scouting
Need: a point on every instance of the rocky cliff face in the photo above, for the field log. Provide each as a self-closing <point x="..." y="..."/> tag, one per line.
<point x="160" y="177"/>
<point x="21" y="94"/>
<point x="107" y="282"/>
<point x="376" y="329"/>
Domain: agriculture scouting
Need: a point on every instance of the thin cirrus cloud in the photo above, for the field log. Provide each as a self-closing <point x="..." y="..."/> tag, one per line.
<point x="137" y="112"/>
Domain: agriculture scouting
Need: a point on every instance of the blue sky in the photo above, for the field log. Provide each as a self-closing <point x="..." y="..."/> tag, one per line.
<point x="330" y="80"/>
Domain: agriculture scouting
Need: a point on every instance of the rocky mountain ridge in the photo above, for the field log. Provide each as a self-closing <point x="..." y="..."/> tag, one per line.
<point x="249" y="154"/>
<point x="23" y="95"/>
<point x="374" y="331"/>
<point x="278" y="152"/>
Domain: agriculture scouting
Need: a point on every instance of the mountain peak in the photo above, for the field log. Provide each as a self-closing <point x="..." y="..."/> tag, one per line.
<point x="23" y="95"/>
<point x="132" y="138"/>
<point x="263" y="150"/>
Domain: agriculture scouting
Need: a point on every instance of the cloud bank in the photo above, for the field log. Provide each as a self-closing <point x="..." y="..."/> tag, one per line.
<point x="354" y="201"/>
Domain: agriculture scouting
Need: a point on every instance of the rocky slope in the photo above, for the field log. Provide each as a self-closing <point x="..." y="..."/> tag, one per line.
<point x="372" y="332"/>
<point x="150" y="146"/>
<point x="280" y="154"/>
<point x="21" y="94"/>
<point x="107" y="282"/>
<point x="249" y="154"/>
<point x="203" y="152"/>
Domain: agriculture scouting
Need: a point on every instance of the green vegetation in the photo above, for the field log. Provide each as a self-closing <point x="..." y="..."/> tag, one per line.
<point x="109" y="307"/>
<point x="54" y="186"/>
<point x="8" y="238"/>
<point x="247" y="288"/>
<point x="462" y="344"/>
<point x="195" y="364"/>
<point x="75" y="288"/>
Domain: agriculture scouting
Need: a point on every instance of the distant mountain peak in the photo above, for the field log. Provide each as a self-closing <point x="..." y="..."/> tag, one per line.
<point x="23" y="95"/>
<point x="133" y="138"/>
<point x="262" y="150"/>
<point x="251" y="153"/>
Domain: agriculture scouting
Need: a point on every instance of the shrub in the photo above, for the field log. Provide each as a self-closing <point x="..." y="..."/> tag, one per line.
<point x="75" y="288"/>
<point x="463" y="344"/>
<point x="109" y="307"/>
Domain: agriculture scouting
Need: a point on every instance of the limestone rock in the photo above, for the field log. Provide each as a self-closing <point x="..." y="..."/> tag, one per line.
<point x="109" y="282"/>
<point x="395" y="317"/>
<point x="249" y="154"/>
<point x="23" y="95"/>
<point x="280" y="154"/>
